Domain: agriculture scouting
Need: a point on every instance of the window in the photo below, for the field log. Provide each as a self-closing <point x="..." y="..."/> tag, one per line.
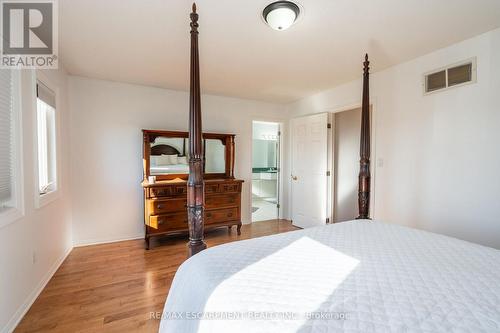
<point x="46" y="139"/>
<point x="450" y="76"/>
<point x="6" y="132"/>
<point x="10" y="148"/>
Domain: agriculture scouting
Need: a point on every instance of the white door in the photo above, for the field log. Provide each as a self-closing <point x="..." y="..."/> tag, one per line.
<point x="309" y="170"/>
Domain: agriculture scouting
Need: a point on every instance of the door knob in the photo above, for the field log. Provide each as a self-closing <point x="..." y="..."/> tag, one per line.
<point x="294" y="177"/>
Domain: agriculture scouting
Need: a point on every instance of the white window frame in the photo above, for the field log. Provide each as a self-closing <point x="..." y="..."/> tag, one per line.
<point x="16" y="212"/>
<point x="46" y="198"/>
<point x="473" y="80"/>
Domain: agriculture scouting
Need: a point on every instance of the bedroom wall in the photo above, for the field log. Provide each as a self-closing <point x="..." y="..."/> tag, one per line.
<point x="436" y="157"/>
<point x="32" y="247"/>
<point x="106" y="149"/>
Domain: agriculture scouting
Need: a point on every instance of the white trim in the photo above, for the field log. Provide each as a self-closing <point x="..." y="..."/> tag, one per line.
<point x="282" y="130"/>
<point x="330" y="204"/>
<point x="281" y="168"/>
<point x="44" y="199"/>
<point x="89" y="242"/>
<point x="11" y="215"/>
<point x="23" y="309"/>
<point x="473" y="79"/>
<point x="282" y="214"/>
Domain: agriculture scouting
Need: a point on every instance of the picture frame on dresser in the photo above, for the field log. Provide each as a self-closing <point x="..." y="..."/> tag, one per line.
<point x="165" y="175"/>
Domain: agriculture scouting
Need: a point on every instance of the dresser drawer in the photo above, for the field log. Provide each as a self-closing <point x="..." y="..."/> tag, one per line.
<point x="167" y="191"/>
<point x="211" y="188"/>
<point x="229" y="187"/>
<point x="221" y="215"/>
<point x="179" y="190"/>
<point x="168" y="222"/>
<point x="159" y="192"/>
<point x="157" y="207"/>
<point x="222" y="200"/>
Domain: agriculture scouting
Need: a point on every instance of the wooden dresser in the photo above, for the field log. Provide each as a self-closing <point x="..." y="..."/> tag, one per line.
<point x="165" y="199"/>
<point x="166" y="206"/>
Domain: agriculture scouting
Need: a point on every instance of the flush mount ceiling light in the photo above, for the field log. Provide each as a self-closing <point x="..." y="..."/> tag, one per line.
<point x="280" y="15"/>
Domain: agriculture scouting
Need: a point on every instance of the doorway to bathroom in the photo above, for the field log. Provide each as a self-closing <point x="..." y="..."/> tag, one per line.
<point x="265" y="171"/>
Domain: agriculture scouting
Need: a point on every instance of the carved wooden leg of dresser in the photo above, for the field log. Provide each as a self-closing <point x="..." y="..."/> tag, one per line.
<point x="238" y="230"/>
<point x="146" y="239"/>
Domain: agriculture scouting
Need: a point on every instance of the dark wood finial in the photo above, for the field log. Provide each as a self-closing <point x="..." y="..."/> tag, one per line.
<point x="364" y="150"/>
<point x="366" y="65"/>
<point x="194" y="20"/>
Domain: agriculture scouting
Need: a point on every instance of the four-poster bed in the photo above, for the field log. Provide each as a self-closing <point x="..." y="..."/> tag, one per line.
<point x="356" y="276"/>
<point x="195" y="183"/>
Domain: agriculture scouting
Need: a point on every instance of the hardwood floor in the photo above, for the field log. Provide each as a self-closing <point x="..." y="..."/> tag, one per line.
<point x="115" y="287"/>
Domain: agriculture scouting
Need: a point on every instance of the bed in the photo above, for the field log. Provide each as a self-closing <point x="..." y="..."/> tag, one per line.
<point x="166" y="159"/>
<point x="357" y="276"/>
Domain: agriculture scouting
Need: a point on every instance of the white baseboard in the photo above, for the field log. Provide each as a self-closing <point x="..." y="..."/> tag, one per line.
<point x="21" y="311"/>
<point x="105" y="241"/>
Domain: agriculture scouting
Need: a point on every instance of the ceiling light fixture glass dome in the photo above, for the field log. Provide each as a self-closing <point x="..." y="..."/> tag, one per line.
<point x="280" y="15"/>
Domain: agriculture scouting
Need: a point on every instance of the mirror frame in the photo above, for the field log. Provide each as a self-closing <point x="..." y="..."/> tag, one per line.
<point x="227" y="140"/>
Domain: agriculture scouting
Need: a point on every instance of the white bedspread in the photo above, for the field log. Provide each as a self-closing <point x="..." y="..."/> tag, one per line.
<point x="354" y="276"/>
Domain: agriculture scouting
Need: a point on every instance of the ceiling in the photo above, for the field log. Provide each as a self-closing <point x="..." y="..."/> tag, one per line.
<point x="147" y="42"/>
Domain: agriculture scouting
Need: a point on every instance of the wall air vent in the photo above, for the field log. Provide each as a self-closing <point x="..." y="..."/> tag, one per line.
<point x="450" y="76"/>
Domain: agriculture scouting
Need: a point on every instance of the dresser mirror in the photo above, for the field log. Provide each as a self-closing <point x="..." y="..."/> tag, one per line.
<point x="166" y="155"/>
<point x="215" y="156"/>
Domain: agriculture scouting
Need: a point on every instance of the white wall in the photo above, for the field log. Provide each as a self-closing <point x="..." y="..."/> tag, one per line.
<point x="265" y="131"/>
<point x="45" y="232"/>
<point x="440" y="152"/>
<point x="106" y="149"/>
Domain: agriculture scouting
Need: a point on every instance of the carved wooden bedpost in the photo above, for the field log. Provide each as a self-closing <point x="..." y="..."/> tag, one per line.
<point x="196" y="191"/>
<point x="364" y="152"/>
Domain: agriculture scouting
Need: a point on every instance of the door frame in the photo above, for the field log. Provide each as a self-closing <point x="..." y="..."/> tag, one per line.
<point x="373" y="157"/>
<point x="282" y="130"/>
<point x="331" y="186"/>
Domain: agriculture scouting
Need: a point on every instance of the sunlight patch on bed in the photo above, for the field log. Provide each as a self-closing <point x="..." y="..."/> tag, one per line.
<point x="297" y="279"/>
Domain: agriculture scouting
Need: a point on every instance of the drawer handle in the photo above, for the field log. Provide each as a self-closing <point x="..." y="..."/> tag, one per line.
<point x="230" y="215"/>
<point x="160" y="206"/>
<point x="160" y="222"/>
<point x="209" y="214"/>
